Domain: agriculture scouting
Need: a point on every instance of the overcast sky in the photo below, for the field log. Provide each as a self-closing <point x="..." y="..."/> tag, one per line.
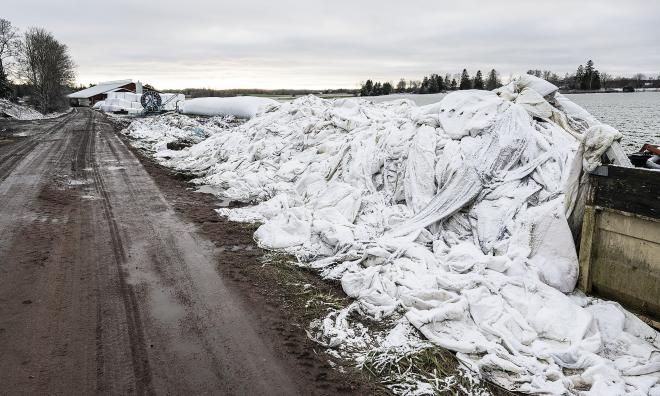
<point x="337" y="43"/>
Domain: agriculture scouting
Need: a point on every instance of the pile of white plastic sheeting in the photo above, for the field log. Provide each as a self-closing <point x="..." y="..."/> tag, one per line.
<point x="239" y="106"/>
<point x="452" y="216"/>
<point x="130" y="102"/>
<point x="154" y="133"/>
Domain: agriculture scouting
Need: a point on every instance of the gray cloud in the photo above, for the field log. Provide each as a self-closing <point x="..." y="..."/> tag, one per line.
<point x="317" y="43"/>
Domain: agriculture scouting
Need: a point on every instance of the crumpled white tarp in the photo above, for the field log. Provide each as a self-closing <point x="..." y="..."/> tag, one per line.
<point x="237" y="106"/>
<point x="452" y="215"/>
<point x="154" y="133"/>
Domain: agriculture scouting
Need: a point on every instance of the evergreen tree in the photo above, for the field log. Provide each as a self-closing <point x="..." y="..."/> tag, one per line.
<point x="378" y="89"/>
<point x="478" y="81"/>
<point x="387" y="88"/>
<point x="433" y="84"/>
<point x="466" y="83"/>
<point x="367" y="88"/>
<point x="595" y="80"/>
<point x="440" y="82"/>
<point x="588" y="74"/>
<point x="447" y="82"/>
<point x="493" y="81"/>
<point x="579" y="78"/>
<point x="424" y="88"/>
<point x="454" y="85"/>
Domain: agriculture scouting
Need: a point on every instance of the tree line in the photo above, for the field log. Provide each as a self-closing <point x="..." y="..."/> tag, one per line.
<point x="433" y="83"/>
<point x="209" y="92"/>
<point x="585" y="78"/>
<point x="41" y="66"/>
<point x="588" y="78"/>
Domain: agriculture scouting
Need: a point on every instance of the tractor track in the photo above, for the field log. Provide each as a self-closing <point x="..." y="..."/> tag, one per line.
<point x="107" y="288"/>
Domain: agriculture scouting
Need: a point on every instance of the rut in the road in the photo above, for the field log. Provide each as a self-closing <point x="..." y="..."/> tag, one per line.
<point x="105" y="289"/>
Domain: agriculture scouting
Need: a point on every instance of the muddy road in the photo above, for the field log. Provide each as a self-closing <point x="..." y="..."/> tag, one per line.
<point x="107" y="286"/>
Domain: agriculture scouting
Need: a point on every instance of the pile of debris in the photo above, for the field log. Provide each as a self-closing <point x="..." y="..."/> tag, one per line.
<point x="169" y="132"/>
<point x="450" y="218"/>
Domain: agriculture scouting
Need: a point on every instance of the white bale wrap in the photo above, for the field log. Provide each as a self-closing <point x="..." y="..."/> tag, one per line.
<point x="239" y="106"/>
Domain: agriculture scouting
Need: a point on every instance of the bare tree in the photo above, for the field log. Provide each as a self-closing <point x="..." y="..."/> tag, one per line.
<point x="46" y="66"/>
<point x="401" y="86"/>
<point x="605" y="79"/>
<point x="9" y="44"/>
<point x="639" y="77"/>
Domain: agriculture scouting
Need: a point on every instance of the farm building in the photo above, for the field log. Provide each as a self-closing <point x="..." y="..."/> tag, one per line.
<point x="99" y="92"/>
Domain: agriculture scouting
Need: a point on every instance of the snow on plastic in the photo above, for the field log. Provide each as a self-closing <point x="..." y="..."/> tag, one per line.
<point x="451" y="216"/>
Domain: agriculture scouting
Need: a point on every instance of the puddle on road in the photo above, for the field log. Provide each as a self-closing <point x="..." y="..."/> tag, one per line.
<point x="75" y="182"/>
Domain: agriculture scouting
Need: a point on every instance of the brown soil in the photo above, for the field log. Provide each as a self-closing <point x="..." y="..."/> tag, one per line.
<point x="269" y="282"/>
<point x="116" y="278"/>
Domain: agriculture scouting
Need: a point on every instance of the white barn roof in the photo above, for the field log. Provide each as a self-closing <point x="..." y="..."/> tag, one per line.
<point x="100" y="88"/>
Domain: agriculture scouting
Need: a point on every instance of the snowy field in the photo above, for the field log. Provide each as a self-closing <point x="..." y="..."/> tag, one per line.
<point x="448" y="223"/>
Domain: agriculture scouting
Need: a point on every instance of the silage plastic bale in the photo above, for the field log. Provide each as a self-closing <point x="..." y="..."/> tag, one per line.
<point x="239" y="106"/>
<point x="110" y="108"/>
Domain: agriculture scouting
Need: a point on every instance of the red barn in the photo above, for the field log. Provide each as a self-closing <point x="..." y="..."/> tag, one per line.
<point x="91" y="95"/>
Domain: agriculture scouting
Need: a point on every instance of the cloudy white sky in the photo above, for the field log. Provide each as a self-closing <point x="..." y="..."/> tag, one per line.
<point x="337" y="43"/>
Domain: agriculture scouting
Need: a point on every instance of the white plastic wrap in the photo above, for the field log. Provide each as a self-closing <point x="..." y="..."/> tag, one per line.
<point x="239" y="106"/>
<point x="452" y="216"/>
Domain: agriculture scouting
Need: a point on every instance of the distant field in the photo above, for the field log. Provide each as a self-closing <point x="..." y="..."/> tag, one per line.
<point x="286" y="98"/>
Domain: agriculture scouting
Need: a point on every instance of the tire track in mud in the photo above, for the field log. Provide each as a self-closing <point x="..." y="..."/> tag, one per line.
<point x="106" y="288"/>
<point x="139" y="357"/>
<point x="47" y="335"/>
<point x="166" y="257"/>
<point x="10" y="160"/>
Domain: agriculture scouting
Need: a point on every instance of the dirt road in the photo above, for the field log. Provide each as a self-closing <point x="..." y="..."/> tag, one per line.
<point x="106" y="288"/>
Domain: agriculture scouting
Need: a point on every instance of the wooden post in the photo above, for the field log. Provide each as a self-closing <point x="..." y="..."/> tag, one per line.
<point x="586" y="244"/>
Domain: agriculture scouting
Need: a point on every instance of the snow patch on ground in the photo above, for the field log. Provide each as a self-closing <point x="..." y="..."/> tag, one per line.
<point x="21" y="112"/>
<point x="451" y="217"/>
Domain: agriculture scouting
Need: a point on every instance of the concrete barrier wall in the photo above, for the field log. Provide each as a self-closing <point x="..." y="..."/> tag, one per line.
<point x="620" y="241"/>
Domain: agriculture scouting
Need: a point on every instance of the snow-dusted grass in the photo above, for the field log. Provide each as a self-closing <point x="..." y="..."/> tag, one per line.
<point x="23" y="112"/>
